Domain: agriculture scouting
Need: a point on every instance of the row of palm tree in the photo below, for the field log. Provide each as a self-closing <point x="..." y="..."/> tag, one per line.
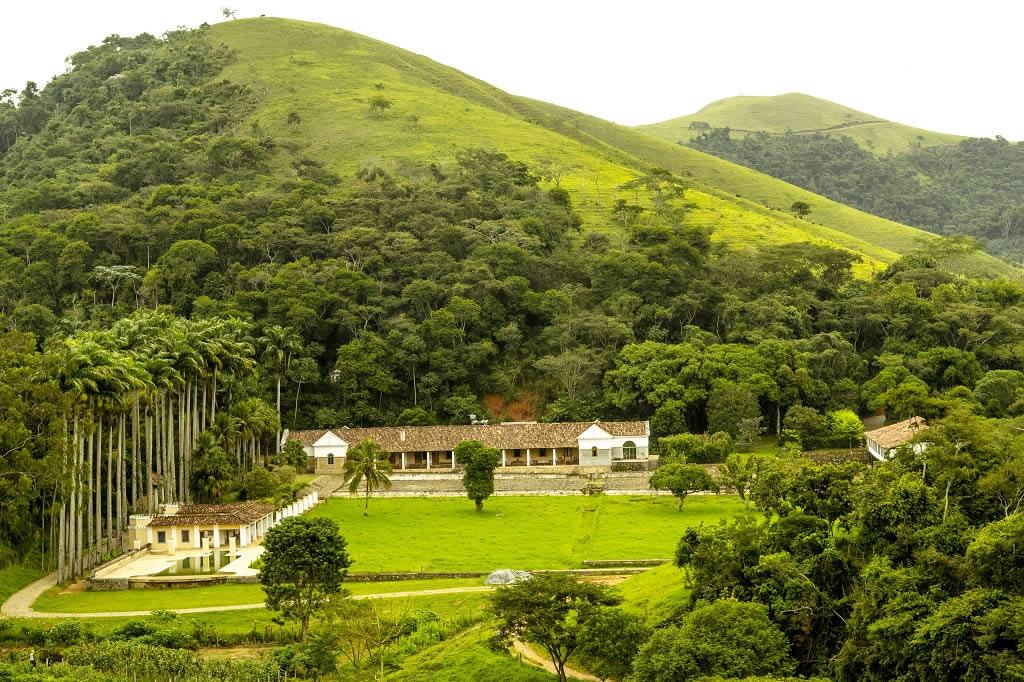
<point x="142" y="393"/>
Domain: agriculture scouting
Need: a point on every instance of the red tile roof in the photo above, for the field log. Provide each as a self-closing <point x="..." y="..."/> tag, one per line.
<point x="238" y="513"/>
<point x="897" y="434"/>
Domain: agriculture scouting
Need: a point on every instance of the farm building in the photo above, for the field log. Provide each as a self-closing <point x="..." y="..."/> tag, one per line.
<point x="881" y="442"/>
<point x="525" y="444"/>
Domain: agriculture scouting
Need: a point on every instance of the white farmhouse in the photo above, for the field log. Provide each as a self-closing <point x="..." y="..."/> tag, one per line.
<point x="526" y="444"/>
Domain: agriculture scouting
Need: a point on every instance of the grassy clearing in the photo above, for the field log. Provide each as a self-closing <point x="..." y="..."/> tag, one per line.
<point x="655" y="594"/>
<point x="219" y="595"/>
<point x="445" y="534"/>
<point x="799" y="112"/>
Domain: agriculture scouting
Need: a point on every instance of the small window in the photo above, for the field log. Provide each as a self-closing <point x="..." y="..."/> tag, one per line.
<point x="161" y="537"/>
<point x="629" y="450"/>
<point x="593" y="451"/>
<point x="184" y="536"/>
<point x="330" y="458"/>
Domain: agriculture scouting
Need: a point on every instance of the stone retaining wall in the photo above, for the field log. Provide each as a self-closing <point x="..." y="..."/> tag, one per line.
<point x="839" y="456"/>
<point x="570" y="481"/>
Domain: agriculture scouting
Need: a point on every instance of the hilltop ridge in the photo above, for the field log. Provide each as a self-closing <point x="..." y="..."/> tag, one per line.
<point x="802" y="114"/>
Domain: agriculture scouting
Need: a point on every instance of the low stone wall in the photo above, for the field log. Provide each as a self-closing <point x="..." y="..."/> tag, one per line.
<point x="437" y="575"/>
<point x="96" y="582"/>
<point x="839" y="456"/>
<point x="561" y="481"/>
<point x="623" y="563"/>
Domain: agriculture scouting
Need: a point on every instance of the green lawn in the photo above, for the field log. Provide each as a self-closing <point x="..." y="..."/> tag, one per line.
<point x="446" y="534"/>
<point x="219" y="595"/>
<point x="655" y="594"/>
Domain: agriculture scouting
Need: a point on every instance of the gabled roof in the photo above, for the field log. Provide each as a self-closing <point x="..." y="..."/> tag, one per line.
<point x="238" y="513"/>
<point x="506" y="436"/>
<point x="897" y="434"/>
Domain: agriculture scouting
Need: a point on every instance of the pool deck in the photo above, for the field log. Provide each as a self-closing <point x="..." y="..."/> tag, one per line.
<point x="151" y="564"/>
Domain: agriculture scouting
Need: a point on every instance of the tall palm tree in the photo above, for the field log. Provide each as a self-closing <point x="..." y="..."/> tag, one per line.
<point x="279" y="343"/>
<point x="367" y="463"/>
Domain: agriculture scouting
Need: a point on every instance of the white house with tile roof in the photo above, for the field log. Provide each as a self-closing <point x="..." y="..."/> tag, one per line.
<point x="526" y="444"/>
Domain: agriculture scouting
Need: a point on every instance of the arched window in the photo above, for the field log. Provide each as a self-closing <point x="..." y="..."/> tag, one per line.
<point x="629" y="450"/>
<point x="330" y="458"/>
<point x="593" y="451"/>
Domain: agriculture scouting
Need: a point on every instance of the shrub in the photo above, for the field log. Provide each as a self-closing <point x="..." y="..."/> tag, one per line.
<point x="698" y="449"/>
<point x="810" y="426"/>
<point x="64" y="633"/>
<point x="260" y="483"/>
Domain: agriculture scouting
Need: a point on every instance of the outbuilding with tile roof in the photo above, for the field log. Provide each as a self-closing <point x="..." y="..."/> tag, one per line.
<point x="882" y="441"/>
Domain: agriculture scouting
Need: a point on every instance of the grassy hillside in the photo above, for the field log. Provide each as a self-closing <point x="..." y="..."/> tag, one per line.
<point x="757" y="192"/>
<point x="326" y="77"/>
<point x="802" y="114"/>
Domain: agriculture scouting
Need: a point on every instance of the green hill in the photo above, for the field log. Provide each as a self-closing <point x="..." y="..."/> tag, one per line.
<point x="315" y="84"/>
<point x="801" y="114"/>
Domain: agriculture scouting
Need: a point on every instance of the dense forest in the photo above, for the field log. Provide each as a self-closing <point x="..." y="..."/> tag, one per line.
<point x="973" y="188"/>
<point x="176" y="287"/>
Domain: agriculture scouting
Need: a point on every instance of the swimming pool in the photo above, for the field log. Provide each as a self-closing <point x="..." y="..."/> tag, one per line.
<point x="200" y="564"/>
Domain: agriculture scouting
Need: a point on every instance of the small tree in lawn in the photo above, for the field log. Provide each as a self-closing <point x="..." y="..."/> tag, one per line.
<point x="800" y="208"/>
<point x="549" y="610"/>
<point x="367" y="463"/>
<point x="683" y="479"/>
<point x="380" y="104"/>
<point x="478" y="462"/>
<point x="304" y="563"/>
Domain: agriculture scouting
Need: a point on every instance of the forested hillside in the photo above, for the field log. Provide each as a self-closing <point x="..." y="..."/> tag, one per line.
<point x="973" y="188"/>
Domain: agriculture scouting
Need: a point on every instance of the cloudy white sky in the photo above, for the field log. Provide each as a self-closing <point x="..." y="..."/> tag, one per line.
<point x="950" y="67"/>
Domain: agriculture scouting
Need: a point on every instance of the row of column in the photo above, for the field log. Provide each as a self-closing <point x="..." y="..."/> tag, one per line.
<point x="554" y="458"/>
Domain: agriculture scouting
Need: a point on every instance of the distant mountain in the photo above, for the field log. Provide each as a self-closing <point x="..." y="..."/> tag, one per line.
<point x="798" y="113"/>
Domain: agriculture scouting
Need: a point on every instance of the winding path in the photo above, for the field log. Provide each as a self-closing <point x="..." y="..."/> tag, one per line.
<point x="19" y="605"/>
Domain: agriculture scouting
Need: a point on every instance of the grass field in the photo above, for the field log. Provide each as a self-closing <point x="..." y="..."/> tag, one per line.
<point x="654" y="594"/>
<point x="468" y="656"/>
<point x="219" y="595"/>
<point x="326" y="75"/>
<point x="446" y="534"/>
<point x="800" y="113"/>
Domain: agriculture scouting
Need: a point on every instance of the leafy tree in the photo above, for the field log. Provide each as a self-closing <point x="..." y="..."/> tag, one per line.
<point x="259" y="483"/>
<point x="683" y="479"/>
<point x="551" y="610"/>
<point x="728" y="406"/>
<point x="737" y="473"/>
<point x="726" y="638"/>
<point x="380" y="104"/>
<point x="478" y="462"/>
<point x="304" y="563"/>
<point x="699" y="449"/>
<point x="800" y="208"/>
<point x="367" y="464"/>
<point x="846" y="427"/>
<point x="610" y="641"/>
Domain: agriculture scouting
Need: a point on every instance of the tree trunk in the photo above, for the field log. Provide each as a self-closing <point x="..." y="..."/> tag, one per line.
<point x="61" y="553"/>
<point x="945" y="506"/>
<point x="149" y="459"/>
<point x="277" y="448"/>
<point x="479" y="505"/>
<point x="136" y="443"/>
<point x="97" y="529"/>
<point x="90" y="528"/>
<point x="110" y="484"/>
<point x="366" y="507"/>
<point x="120" y="481"/>
<point x="78" y="455"/>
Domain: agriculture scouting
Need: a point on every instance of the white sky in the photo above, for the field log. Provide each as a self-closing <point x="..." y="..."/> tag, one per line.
<point x="943" y="66"/>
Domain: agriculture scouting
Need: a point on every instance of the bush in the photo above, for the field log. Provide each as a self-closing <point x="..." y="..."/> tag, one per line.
<point x="696" y="449"/>
<point x="133" y="629"/>
<point x="64" y="633"/>
<point x="260" y="483"/>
